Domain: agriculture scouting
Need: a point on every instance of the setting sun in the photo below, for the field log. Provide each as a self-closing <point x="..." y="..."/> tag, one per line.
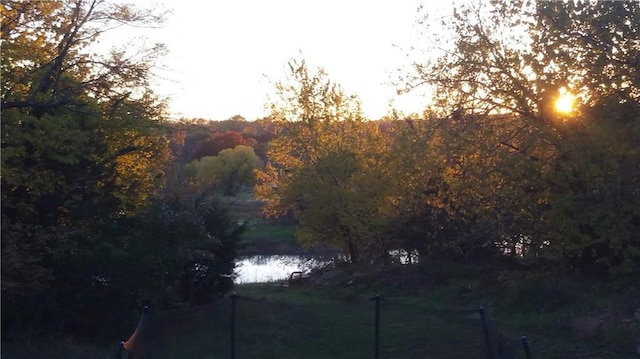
<point x="565" y="102"/>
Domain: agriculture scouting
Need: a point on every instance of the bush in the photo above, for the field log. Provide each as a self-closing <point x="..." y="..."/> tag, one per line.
<point x="173" y="253"/>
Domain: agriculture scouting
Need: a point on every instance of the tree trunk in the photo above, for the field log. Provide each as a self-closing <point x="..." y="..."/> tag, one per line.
<point x="354" y="253"/>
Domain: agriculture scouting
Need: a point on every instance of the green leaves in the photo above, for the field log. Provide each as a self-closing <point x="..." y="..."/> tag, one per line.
<point x="81" y="147"/>
<point x="325" y="165"/>
<point x="228" y="172"/>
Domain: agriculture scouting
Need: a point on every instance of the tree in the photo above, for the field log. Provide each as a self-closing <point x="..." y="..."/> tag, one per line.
<point x="177" y="251"/>
<point x="81" y="147"/>
<point x="594" y="199"/>
<point x="496" y="87"/>
<point x="219" y="141"/>
<point x="591" y="48"/>
<point x="325" y="165"/>
<point x="229" y="171"/>
<point x="43" y="61"/>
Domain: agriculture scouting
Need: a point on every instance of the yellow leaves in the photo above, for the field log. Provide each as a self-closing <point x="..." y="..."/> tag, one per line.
<point x="268" y="190"/>
<point x="139" y="169"/>
<point x="326" y="165"/>
<point x="335" y="181"/>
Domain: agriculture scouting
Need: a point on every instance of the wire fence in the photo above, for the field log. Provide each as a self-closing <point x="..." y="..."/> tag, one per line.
<point x="373" y="327"/>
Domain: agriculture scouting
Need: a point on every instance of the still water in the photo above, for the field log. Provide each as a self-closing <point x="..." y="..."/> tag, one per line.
<point x="272" y="268"/>
<point x="261" y="269"/>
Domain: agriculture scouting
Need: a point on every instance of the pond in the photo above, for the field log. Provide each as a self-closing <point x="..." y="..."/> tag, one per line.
<point x="272" y="268"/>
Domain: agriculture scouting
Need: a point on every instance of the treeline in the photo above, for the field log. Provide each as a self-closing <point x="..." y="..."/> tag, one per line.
<point x="492" y="170"/>
<point x="219" y="156"/>
<point x="197" y="138"/>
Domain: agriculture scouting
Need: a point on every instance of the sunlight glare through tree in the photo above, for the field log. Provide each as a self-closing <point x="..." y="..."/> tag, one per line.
<point x="566" y="102"/>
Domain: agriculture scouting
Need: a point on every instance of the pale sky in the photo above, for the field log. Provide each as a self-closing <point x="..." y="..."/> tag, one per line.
<point x="225" y="55"/>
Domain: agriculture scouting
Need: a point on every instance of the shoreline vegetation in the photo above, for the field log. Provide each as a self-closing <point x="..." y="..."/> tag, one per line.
<point x="261" y="236"/>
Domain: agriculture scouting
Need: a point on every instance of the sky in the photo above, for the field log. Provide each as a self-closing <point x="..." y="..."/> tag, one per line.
<point x="226" y="55"/>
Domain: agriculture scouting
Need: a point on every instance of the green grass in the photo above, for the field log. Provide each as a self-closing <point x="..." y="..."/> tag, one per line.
<point x="276" y="322"/>
<point x="428" y="311"/>
<point x="266" y="239"/>
<point x="255" y="234"/>
<point x="338" y="322"/>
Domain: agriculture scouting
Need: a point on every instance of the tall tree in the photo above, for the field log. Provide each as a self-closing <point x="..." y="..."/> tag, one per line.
<point x="47" y="46"/>
<point x="500" y="78"/>
<point x="229" y="171"/>
<point x="81" y="146"/>
<point x="594" y="196"/>
<point x="323" y="164"/>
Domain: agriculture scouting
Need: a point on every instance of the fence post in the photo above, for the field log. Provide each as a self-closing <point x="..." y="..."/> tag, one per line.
<point x="234" y="297"/>
<point x="377" y="299"/>
<point x="525" y="345"/>
<point x="120" y="350"/>
<point x="486" y="332"/>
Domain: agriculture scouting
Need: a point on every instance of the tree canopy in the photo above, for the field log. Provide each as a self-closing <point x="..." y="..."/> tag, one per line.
<point x="229" y="171"/>
<point x="322" y="164"/>
<point x="85" y="158"/>
<point x="491" y="169"/>
<point x="567" y="175"/>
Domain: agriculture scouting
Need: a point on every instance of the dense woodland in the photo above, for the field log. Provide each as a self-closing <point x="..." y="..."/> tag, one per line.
<point x="107" y="205"/>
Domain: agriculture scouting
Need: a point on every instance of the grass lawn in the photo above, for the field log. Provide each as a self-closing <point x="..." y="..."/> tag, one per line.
<point x="279" y="322"/>
<point x="253" y="234"/>
<point x="334" y="321"/>
<point x="426" y="313"/>
<point x="268" y="239"/>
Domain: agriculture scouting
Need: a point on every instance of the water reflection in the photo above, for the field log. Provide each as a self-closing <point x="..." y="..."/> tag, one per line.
<point x="260" y="269"/>
<point x="403" y="256"/>
<point x="273" y="268"/>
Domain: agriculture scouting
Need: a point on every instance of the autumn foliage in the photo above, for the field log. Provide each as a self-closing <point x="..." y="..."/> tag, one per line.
<point x="107" y="206"/>
<point x="212" y="146"/>
<point x="92" y="223"/>
<point x="490" y="171"/>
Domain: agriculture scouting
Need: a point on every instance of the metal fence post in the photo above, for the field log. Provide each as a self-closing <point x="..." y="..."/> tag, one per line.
<point x="525" y="345"/>
<point x="486" y="332"/>
<point x="120" y="350"/>
<point x="377" y="299"/>
<point x="234" y="297"/>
